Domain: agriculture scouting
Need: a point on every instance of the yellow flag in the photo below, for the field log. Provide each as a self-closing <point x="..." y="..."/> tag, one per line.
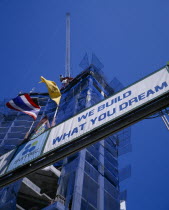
<point x="53" y="90"/>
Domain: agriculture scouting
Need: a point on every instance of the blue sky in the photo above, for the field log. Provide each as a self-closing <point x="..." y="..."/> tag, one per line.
<point x="131" y="39"/>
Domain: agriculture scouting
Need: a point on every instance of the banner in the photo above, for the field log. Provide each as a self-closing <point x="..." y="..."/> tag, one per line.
<point x="28" y="152"/>
<point x="107" y="111"/>
<point x="4" y="161"/>
<point x="110" y="109"/>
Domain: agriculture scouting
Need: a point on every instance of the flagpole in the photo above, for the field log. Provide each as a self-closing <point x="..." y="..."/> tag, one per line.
<point x="56" y="111"/>
<point x="31" y="126"/>
<point x="54" y="117"/>
<point x="27" y="134"/>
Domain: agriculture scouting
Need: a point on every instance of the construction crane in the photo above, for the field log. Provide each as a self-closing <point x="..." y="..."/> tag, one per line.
<point x="66" y="79"/>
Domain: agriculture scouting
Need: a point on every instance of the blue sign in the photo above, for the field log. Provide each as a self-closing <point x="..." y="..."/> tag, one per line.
<point x="5" y="160"/>
<point x="28" y="152"/>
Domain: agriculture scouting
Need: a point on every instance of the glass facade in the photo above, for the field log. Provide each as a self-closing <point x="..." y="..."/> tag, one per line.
<point x="89" y="179"/>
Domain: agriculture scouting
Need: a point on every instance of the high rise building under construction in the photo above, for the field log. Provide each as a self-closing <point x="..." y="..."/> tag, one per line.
<point x="87" y="180"/>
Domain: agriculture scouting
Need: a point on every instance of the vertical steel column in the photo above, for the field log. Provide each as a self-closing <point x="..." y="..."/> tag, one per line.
<point x="100" y="195"/>
<point x="78" y="186"/>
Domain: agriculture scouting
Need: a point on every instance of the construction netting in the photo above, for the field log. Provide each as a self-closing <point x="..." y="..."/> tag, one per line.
<point x="89" y="178"/>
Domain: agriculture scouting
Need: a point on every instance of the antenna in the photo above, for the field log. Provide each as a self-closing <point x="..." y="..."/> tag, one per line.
<point x="67" y="59"/>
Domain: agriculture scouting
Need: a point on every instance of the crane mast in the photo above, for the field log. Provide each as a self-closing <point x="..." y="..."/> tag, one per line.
<point x="67" y="59"/>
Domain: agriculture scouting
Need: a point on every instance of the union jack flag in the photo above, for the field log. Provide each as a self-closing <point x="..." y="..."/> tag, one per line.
<point x="25" y="104"/>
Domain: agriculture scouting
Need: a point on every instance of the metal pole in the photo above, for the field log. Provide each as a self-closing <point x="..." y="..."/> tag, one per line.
<point x="54" y="117"/>
<point x="31" y="126"/>
<point x="67" y="60"/>
<point x="165" y="120"/>
<point x="27" y="134"/>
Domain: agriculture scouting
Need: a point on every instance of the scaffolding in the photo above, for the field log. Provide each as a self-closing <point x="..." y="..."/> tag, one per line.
<point x="89" y="179"/>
